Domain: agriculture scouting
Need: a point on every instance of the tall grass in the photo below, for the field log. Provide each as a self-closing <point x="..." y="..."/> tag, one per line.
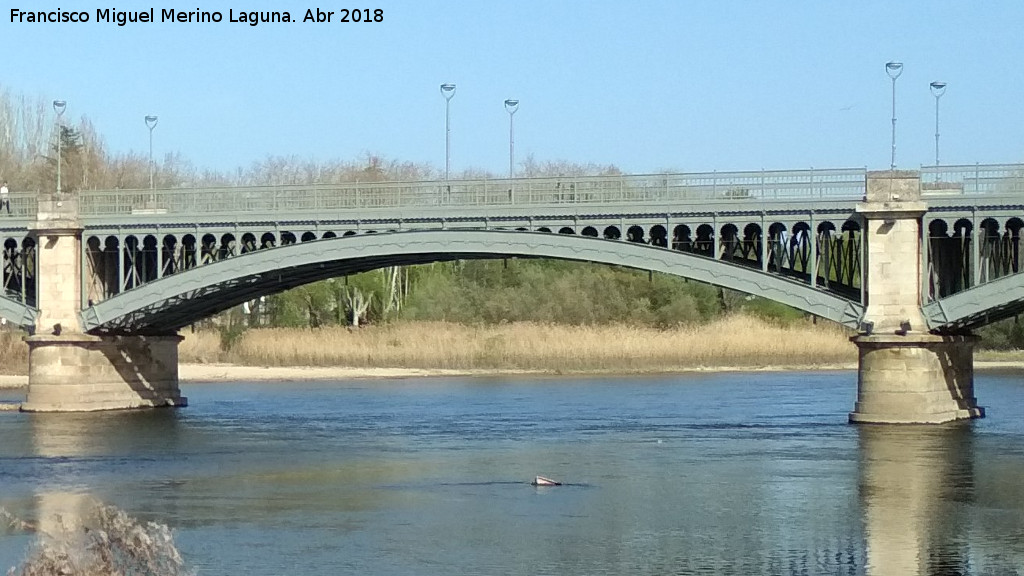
<point x="13" y="352"/>
<point x="202" y="346"/>
<point x="737" y="341"/>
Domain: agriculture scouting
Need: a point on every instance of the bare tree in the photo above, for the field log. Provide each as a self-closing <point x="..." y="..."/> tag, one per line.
<point x="356" y="304"/>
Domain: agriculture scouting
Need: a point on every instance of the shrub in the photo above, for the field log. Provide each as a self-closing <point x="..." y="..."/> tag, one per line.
<point x="104" y="542"/>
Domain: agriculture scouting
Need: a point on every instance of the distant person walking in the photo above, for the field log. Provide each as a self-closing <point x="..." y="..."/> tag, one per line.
<point x="5" y="198"/>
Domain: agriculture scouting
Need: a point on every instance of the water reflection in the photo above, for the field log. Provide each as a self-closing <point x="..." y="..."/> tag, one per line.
<point x="73" y="446"/>
<point x="913" y="480"/>
<point x="431" y="477"/>
<point x="91" y="434"/>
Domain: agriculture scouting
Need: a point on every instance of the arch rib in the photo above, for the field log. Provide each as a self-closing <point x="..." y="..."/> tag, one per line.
<point x="978" y="306"/>
<point x="177" y="300"/>
<point x="18" y="313"/>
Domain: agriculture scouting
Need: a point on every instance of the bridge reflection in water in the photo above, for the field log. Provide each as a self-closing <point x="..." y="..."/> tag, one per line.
<point x="88" y="454"/>
<point x="914" y="481"/>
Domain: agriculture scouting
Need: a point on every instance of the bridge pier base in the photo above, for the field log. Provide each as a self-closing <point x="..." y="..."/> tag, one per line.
<point x="915" y="379"/>
<point x="905" y="374"/>
<point x="80" y="372"/>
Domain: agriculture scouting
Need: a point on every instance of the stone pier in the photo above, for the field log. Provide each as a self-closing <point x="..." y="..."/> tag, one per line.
<point x="905" y="374"/>
<point x="70" y="371"/>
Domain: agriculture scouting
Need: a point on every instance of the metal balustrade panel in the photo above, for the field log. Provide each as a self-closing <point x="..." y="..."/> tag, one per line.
<point x="973" y="180"/>
<point x="745" y="186"/>
<point x="455" y="194"/>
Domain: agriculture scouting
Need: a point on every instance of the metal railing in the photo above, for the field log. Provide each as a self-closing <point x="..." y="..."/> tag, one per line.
<point x="682" y="188"/>
<point x="654" y="188"/>
<point x="971" y="179"/>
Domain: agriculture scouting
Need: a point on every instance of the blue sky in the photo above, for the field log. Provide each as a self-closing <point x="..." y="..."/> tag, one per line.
<point x="646" y="85"/>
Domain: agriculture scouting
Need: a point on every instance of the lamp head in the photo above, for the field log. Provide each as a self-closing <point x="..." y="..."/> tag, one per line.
<point x="151" y="122"/>
<point x="448" y="90"/>
<point x="58" y="106"/>
<point x="511" y="105"/>
<point x="938" y="88"/>
<point x="894" y="69"/>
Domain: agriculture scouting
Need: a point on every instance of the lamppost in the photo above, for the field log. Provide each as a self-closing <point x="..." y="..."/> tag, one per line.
<point x="151" y="123"/>
<point x="893" y="69"/>
<point x="511" y="105"/>
<point x="58" y="107"/>
<point x="938" y="89"/>
<point x="447" y="90"/>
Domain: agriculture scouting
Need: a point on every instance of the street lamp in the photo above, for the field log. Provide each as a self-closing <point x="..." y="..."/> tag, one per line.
<point x="58" y="107"/>
<point x="151" y="123"/>
<point x="447" y="90"/>
<point x="938" y="89"/>
<point x="511" y="105"/>
<point x="893" y="69"/>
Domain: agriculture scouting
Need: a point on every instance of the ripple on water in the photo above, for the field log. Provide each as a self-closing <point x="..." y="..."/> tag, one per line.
<point x="696" y="474"/>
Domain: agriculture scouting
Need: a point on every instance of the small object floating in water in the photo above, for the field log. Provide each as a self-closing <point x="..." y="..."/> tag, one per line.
<point x="542" y="481"/>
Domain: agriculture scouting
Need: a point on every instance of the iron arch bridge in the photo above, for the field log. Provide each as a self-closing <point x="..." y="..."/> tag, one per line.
<point x="167" y="304"/>
<point x="793" y="236"/>
<point x="748" y="231"/>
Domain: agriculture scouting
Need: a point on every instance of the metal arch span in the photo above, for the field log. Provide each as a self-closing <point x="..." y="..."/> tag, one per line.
<point x="978" y="306"/>
<point x="175" y="301"/>
<point x="18" y="313"/>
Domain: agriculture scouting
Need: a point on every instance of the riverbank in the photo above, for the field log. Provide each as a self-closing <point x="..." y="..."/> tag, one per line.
<point x="427" y="349"/>
<point x="231" y="373"/>
<point x="237" y="373"/>
<point x="226" y="373"/>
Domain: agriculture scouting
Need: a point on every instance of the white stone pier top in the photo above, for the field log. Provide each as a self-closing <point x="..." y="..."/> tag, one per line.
<point x="59" y="235"/>
<point x="57" y="213"/>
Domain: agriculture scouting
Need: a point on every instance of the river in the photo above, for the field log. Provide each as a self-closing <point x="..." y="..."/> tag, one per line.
<point x="732" y="473"/>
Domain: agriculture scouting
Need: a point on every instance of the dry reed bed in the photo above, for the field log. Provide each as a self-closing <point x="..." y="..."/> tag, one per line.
<point x="13" y="353"/>
<point x="738" y="341"/>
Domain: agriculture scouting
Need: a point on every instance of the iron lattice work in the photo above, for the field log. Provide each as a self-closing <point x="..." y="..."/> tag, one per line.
<point x="973" y="274"/>
<point x="972" y="248"/>
<point x="166" y="304"/>
<point x="18" y="300"/>
<point x="115" y="271"/>
<point x="19" y="268"/>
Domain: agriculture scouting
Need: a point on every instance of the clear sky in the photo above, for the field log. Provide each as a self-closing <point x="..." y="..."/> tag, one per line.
<point x="646" y="85"/>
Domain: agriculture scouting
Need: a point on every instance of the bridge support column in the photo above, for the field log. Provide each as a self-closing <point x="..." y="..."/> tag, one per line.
<point x="70" y="371"/>
<point x="905" y="374"/>
<point x="915" y="379"/>
<point x="80" y="372"/>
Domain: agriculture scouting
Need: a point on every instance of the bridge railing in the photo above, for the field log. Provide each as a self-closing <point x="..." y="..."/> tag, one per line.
<point x="971" y="179"/>
<point x="764" y="185"/>
<point x="697" y="187"/>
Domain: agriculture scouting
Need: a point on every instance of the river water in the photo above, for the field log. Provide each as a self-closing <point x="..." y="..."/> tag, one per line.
<point x="729" y="473"/>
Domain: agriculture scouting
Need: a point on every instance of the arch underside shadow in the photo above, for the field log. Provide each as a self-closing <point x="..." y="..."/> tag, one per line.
<point x="172" y="302"/>
<point x="975" y="307"/>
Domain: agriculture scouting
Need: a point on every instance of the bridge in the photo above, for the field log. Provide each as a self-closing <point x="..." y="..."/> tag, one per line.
<point x="911" y="260"/>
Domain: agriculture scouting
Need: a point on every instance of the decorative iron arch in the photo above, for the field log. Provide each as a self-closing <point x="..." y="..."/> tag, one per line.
<point x="175" y="301"/>
<point x="977" y="306"/>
